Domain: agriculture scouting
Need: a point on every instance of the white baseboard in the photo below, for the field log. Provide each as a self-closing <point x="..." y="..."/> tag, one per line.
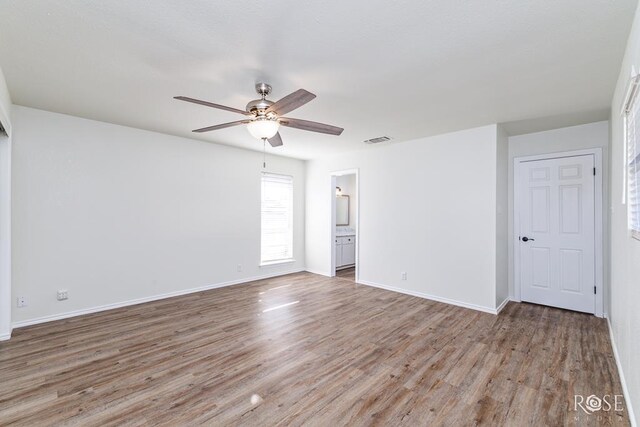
<point x="431" y="297"/>
<point x="321" y="273"/>
<point x="136" y="301"/>
<point x="625" y="390"/>
<point x="502" y="305"/>
<point x="4" y="337"/>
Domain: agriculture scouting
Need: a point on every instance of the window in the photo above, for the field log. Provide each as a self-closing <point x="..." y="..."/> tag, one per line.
<point x="277" y="219"/>
<point x="631" y="113"/>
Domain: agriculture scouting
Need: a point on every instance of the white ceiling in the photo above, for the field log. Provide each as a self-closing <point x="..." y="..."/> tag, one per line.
<point x="403" y="68"/>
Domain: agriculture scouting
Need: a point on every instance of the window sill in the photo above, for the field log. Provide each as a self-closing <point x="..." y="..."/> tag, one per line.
<point x="278" y="262"/>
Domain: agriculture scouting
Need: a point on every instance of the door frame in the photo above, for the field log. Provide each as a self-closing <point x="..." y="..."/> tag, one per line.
<point x="598" y="215"/>
<point x="332" y="235"/>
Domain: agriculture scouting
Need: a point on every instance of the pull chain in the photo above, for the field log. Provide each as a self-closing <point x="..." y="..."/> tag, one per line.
<point x="264" y="153"/>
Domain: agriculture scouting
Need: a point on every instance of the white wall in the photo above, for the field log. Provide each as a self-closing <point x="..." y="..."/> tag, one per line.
<point x="625" y="251"/>
<point x="348" y="185"/>
<point x="5" y="211"/>
<point x="592" y="135"/>
<point x="502" y="216"/>
<point x="5" y="104"/>
<point x="428" y="207"/>
<point x="114" y="214"/>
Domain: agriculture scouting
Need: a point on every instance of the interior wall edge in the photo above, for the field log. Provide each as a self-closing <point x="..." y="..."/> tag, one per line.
<point x="321" y="273"/>
<point x="503" y="304"/>
<point x="5" y="210"/>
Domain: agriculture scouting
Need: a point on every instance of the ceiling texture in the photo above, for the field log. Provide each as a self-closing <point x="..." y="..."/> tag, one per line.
<point x="404" y="68"/>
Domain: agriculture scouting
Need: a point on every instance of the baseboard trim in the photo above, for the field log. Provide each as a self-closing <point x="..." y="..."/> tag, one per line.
<point x="5" y="337"/>
<point x="318" y="273"/>
<point x="625" y="390"/>
<point x="430" y="297"/>
<point x="74" y="313"/>
<point x="502" y="305"/>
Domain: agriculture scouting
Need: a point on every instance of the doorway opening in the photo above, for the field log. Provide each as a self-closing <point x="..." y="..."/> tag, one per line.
<point x="558" y="229"/>
<point x="345" y="214"/>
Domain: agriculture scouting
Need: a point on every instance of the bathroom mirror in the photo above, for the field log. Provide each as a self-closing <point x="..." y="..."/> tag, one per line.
<point x="342" y="210"/>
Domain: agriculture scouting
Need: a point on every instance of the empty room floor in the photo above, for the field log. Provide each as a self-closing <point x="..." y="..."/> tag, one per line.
<point x="303" y="349"/>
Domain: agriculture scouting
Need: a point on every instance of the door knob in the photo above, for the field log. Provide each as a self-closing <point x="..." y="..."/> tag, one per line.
<point x="526" y="239"/>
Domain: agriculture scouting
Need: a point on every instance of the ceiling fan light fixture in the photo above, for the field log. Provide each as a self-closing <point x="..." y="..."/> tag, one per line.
<point x="264" y="117"/>
<point x="262" y="128"/>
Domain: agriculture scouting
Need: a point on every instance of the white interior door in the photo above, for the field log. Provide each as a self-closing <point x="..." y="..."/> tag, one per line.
<point x="556" y="208"/>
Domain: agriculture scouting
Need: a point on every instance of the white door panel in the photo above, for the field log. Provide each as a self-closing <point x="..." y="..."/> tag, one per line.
<point x="556" y="207"/>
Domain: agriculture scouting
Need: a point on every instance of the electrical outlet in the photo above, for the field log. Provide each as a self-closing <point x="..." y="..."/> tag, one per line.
<point x="403" y="275"/>
<point x="22" y="302"/>
<point x="239" y="268"/>
<point x="63" y="294"/>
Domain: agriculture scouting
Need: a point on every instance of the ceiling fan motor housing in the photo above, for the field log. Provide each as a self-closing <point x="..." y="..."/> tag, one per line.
<point x="258" y="106"/>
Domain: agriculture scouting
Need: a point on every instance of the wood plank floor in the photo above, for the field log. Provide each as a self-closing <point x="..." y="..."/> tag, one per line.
<point x="305" y="349"/>
<point x="347" y="273"/>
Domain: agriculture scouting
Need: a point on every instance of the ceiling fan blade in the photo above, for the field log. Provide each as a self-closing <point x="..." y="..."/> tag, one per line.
<point x="311" y="126"/>
<point x="222" y="126"/>
<point x="276" y="140"/>
<point x="291" y="102"/>
<point x="211" y="104"/>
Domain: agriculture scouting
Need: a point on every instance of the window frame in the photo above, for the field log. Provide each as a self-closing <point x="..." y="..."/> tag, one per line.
<point x="631" y="152"/>
<point x="289" y="230"/>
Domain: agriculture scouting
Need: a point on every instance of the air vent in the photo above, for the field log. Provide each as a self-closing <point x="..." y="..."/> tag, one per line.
<point x="377" y="140"/>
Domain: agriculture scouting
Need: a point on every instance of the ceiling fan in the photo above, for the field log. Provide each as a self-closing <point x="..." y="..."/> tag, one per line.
<point x="265" y="117"/>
